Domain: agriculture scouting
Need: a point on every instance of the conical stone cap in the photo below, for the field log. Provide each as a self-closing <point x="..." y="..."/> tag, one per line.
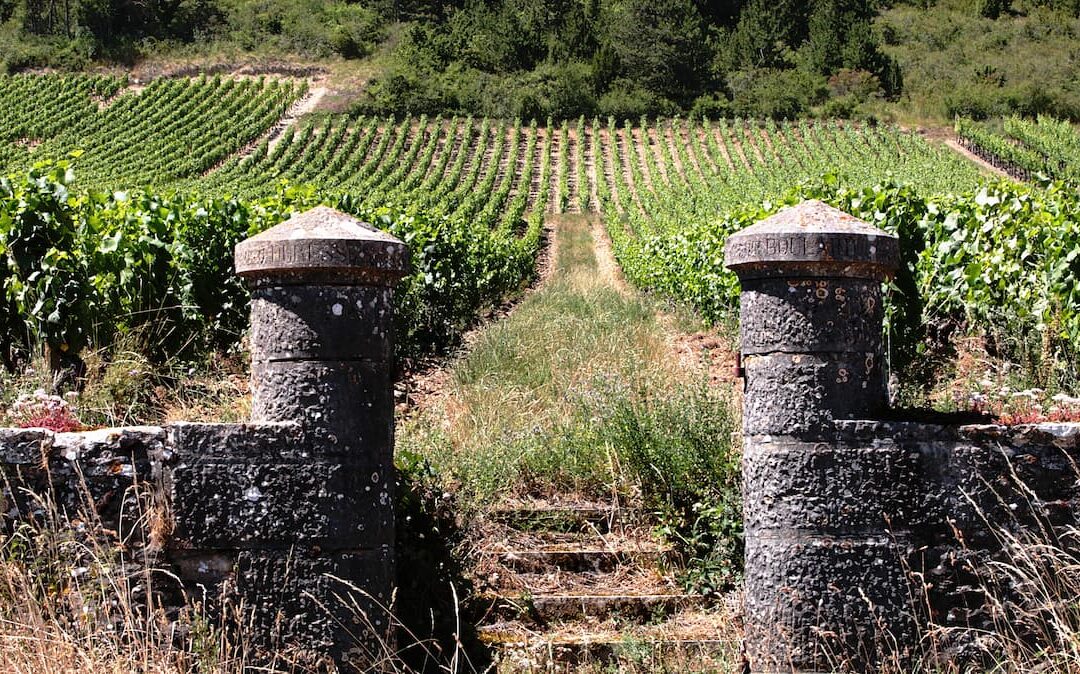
<point x="812" y="239"/>
<point x="320" y="246"/>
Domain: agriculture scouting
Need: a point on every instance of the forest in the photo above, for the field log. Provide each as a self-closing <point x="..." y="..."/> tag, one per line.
<point x="620" y="58"/>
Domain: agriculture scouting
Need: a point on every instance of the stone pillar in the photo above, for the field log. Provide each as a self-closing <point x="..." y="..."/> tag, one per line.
<point x="322" y="351"/>
<point x="825" y="589"/>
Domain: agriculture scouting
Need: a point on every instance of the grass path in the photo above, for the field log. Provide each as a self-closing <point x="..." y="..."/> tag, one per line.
<point x="589" y="394"/>
<point x="527" y="412"/>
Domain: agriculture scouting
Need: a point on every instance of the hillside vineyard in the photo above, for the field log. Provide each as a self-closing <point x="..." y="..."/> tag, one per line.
<point x="670" y="191"/>
<point x="224" y="135"/>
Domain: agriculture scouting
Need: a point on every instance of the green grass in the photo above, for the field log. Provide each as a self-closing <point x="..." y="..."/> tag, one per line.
<point x="524" y="404"/>
<point x="578" y="393"/>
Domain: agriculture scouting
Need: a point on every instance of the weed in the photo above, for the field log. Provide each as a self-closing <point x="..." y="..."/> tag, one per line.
<point x="1027" y="617"/>
<point x="40" y="410"/>
<point x="577" y="394"/>
<point x="681" y="452"/>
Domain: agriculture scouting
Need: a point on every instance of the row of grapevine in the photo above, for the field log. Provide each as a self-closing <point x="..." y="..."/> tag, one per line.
<point x="35" y="107"/>
<point x="1025" y="148"/>
<point x="1016" y="160"/>
<point x="662" y="184"/>
<point x="1000" y="259"/>
<point x="1057" y="141"/>
<point x="479" y="171"/>
<point x="172" y="129"/>
<point x="104" y="263"/>
<point x="177" y="129"/>
<point x="83" y="268"/>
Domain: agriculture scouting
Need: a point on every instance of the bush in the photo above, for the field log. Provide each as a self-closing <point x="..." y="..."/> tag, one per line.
<point x="859" y="84"/>
<point x="844" y="107"/>
<point x="305" y="26"/>
<point x="972" y="101"/>
<point x="681" y="452"/>
<point x="779" y="94"/>
<point x="712" y="106"/>
<point x="19" y="52"/>
<point x="626" y="100"/>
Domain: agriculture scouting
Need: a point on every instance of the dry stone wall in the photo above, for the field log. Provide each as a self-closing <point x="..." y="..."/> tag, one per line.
<point x="290" y="518"/>
<point x="862" y="534"/>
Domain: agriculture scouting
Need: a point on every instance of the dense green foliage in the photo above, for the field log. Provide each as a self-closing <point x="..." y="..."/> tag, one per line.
<point x="985" y="58"/>
<point x="626" y="58"/>
<point x="84" y="268"/>
<point x="73" y="33"/>
<point x="1001" y="260"/>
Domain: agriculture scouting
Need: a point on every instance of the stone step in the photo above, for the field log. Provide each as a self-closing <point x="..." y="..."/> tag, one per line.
<point x="600" y="518"/>
<point x="547" y="608"/>
<point x="546" y="552"/>
<point x="686" y="641"/>
<point x="686" y="655"/>
<point x="578" y="560"/>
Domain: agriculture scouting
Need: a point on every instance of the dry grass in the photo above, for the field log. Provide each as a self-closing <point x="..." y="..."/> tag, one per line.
<point x="122" y="388"/>
<point x="507" y="422"/>
<point x="78" y="597"/>
<point x="1031" y="610"/>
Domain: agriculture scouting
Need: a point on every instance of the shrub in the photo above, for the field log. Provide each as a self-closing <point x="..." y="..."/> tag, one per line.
<point x="627" y="100"/>
<point x="780" y="94"/>
<point x="681" y="451"/>
<point x="712" y="106"/>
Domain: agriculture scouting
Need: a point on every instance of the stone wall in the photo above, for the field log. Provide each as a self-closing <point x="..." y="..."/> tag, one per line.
<point x="288" y="519"/>
<point x="991" y="494"/>
<point x="945" y="501"/>
<point x="953" y="496"/>
<point x="45" y="472"/>
<point x="871" y="544"/>
<point x="230" y="509"/>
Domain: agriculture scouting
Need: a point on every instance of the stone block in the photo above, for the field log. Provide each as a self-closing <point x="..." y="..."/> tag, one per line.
<point x="25" y="446"/>
<point x="820" y="604"/>
<point x="321" y="323"/>
<point x="799" y="395"/>
<point x="322" y="245"/>
<point x="830" y="488"/>
<point x="335" y="604"/>
<point x="347" y="405"/>
<point x="815" y="315"/>
<point x="283" y="441"/>
<point x="273" y="505"/>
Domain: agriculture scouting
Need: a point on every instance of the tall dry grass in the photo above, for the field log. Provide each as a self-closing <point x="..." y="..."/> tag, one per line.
<point x="78" y="597"/>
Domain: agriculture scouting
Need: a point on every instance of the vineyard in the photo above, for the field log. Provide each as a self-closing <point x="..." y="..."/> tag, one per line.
<point x="1026" y="148"/>
<point x="223" y="136"/>
<point x="222" y="157"/>
<point x="128" y="137"/>
<point x="511" y="167"/>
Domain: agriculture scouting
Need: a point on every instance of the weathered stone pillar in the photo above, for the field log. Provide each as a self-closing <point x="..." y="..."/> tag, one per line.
<point x="309" y="485"/>
<point x="825" y="589"/>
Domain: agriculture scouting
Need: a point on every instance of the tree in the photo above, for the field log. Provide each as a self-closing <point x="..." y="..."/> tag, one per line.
<point x="767" y="31"/>
<point x="841" y="36"/>
<point x="659" y="45"/>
